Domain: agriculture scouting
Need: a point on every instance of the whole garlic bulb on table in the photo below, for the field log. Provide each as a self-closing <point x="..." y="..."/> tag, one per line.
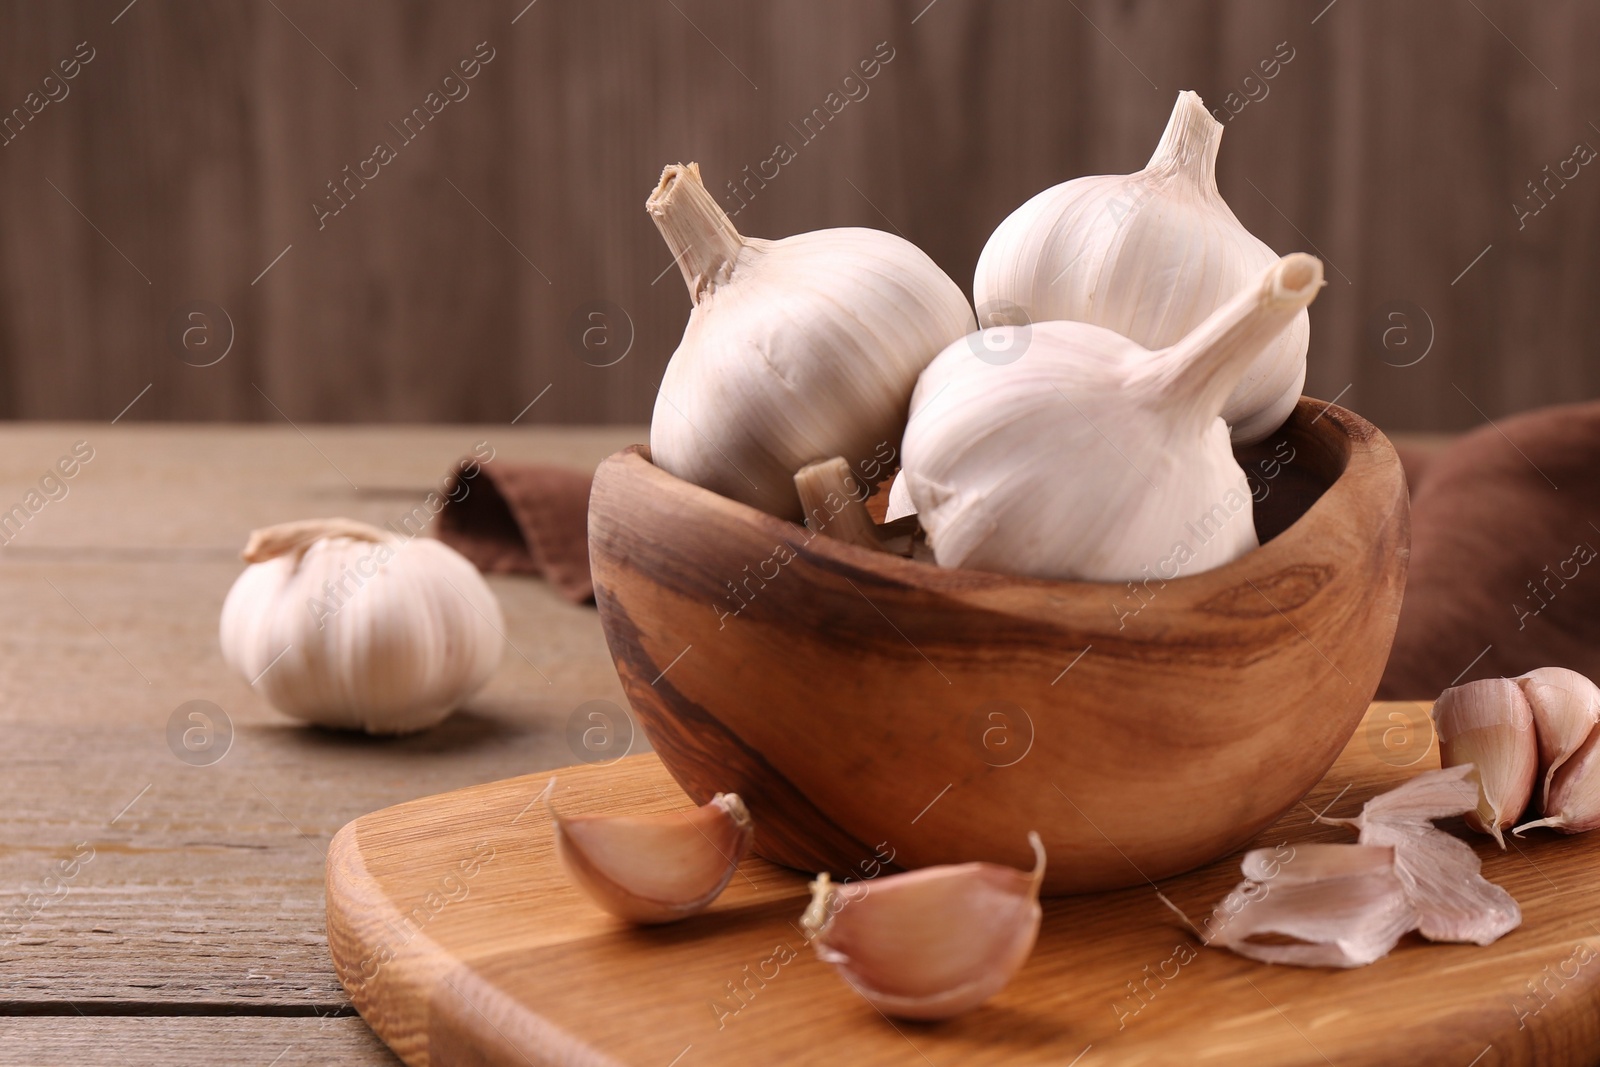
<point x="1148" y="255"/>
<point x="1089" y="457"/>
<point x="798" y="349"/>
<point x="343" y="624"/>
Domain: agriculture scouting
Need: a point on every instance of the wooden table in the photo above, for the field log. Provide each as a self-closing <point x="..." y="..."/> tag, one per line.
<point x="195" y="933"/>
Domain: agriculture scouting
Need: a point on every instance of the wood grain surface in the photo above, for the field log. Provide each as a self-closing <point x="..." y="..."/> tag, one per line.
<point x="519" y="968"/>
<point x="195" y="934"/>
<point x="858" y="700"/>
<point x="188" y="155"/>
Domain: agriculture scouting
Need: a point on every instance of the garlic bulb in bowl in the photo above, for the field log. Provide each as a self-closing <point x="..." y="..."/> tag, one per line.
<point x="797" y="349"/>
<point x="1089" y="457"/>
<point x="346" y="625"/>
<point x="1148" y="255"/>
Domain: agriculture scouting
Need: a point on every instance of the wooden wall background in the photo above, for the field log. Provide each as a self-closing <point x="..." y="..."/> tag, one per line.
<point x="1395" y="143"/>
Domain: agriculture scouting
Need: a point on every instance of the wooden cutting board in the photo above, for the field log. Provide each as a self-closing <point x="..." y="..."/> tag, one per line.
<point x="461" y="943"/>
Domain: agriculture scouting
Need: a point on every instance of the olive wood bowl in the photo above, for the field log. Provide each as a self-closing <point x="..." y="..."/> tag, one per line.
<point x="873" y="710"/>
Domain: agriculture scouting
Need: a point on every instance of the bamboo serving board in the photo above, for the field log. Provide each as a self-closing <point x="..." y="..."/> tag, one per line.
<point x="461" y="943"/>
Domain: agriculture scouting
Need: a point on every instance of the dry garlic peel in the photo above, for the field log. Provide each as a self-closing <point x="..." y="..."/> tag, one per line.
<point x="931" y="943"/>
<point x="796" y="349"/>
<point x="655" y="868"/>
<point x="1148" y="255"/>
<point x="1566" y="708"/>
<point x="1441" y="874"/>
<point x="1087" y="456"/>
<point x="1324" y="906"/>
<point x="346" y="625"/>
<point x="1489" y="724"/>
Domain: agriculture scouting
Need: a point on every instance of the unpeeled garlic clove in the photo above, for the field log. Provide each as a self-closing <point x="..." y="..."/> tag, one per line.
<point x="655" y="868"/>
<point x="1566" y="707"/>
<point x="1572" y="804"/>
<point x="931" y="943"/>
<point x="1488" y="723"/>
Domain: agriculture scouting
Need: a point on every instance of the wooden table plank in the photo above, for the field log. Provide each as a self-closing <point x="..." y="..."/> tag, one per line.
<point x="206" y="893"/>
<point x="189" y="1042"/>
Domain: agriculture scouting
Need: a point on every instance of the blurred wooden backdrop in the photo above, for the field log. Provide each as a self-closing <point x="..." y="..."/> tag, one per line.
<point x="186" y="155"/>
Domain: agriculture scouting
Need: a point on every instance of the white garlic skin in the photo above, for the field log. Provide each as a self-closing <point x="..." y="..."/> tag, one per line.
<point x="1087" y="457"/>
<point x="796" y="350"/>
<point x="1148" y="255"/>
<point x="397" y="654"/>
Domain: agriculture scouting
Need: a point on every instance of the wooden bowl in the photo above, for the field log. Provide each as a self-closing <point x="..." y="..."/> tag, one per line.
<point x="873" y="710"/>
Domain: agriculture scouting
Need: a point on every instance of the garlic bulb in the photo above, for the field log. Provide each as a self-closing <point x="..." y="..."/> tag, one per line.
<point x="655" y="868"/>
<point x="1089" y="457"/>
<point x="932" y="943"/>
<point x="343" y="624"/>
<point x="1489" y="724"/>
<point x="797" y="349"/>
<point x="1148" y="255"/>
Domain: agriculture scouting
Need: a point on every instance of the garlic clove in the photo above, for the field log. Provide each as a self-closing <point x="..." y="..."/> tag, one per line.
<point x="1153" y="490"/>
<point x="797" y="348"/>
<point x="655" y="868"/>
<point x="1148" y="255"/>
<point x="1442" y="875"/>
<point x="1572" y="804"/>
<point x="1339" y="906"/>
<point x="931" y="943"/>
<point x="1566" y="707"/>
<point x="1489" y="724"/>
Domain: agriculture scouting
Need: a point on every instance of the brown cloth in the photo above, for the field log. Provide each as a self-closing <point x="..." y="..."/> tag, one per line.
<point x="1504" y="576"/>
<point x="522" y="518"/>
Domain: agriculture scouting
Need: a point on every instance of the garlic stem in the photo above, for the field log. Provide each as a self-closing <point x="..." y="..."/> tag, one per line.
<point x="1189" y="145"/>
<point x="834" y="502"/>
<point x="1205" y="365"/>
<point x="698" y="233"/>
<point x="273" y="541"/>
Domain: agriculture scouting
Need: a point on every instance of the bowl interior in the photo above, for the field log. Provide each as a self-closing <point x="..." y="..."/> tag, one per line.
<point x="1289" y="471"/>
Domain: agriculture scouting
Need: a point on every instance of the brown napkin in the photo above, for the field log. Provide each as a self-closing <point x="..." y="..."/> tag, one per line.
<point x="522" y="518"/>
<point x="1505" y="524"/>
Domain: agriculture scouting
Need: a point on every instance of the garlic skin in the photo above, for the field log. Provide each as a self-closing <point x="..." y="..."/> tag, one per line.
<point x="1339" y="905"/>
<point x="1089" y="457"/>
<point x="1148" y="255"/>
<point x="1442" y="876"/>
<point x="345" y="625"/>
<point x="797" y="349"/>
<point x="655" y="868"/>
<point x="1566" y="709"/>
<point x="1489" y="724"/>
<point x="931" y="943"/>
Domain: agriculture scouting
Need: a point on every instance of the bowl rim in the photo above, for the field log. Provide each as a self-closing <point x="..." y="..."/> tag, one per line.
<point x="1369" y="468"/>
